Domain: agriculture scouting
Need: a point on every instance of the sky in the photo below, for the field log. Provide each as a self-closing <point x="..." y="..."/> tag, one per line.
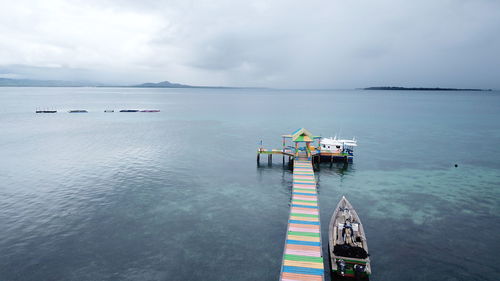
<point x="261" y="43"/>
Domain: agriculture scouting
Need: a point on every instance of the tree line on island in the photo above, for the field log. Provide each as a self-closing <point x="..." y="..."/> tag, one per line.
<point x="390" y="88"/>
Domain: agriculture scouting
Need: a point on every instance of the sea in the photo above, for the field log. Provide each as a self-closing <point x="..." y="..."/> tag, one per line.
<point x="178" y="194"/>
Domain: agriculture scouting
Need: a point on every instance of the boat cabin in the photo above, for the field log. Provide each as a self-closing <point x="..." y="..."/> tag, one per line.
<point x="334" y="145"/>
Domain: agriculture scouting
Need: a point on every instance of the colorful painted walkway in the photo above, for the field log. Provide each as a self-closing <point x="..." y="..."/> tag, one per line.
<point x="303" y="259"/>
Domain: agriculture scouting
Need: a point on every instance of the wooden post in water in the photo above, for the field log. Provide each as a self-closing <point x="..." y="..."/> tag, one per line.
<point x="258" y="158"/>
<point x="331" y="161"/>
<point x="283" y="149"/>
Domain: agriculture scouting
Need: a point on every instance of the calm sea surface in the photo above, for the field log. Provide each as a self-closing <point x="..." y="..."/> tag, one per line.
<point x="177" y="195"/>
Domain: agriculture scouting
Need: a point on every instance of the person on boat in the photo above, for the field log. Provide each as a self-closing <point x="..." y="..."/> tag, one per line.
<point x="347" y="232"/>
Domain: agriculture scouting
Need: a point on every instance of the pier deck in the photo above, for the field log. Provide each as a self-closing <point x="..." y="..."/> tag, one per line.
<point x="303" y="258"/>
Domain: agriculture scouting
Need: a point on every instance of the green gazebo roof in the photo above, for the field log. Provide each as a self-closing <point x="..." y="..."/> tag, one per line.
<point x="302" y="135"/>
<point x="302" y="138"/>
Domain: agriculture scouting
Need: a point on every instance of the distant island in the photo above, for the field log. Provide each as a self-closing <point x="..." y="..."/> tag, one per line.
<point x="9" y="82"/>
<point x="167" y="84"/>
<point x="164" y="84"/>
<point x="423" y="89"/>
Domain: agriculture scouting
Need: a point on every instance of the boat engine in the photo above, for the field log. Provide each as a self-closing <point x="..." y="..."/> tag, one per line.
<point x="358" y="268"/>
<point x="358" y="271"/>
<point x="341" y="266"/>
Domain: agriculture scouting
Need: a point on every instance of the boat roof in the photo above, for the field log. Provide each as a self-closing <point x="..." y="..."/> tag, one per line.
<point x="334" y="141"/>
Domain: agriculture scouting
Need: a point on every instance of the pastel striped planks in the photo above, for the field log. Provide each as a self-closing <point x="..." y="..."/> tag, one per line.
<point x="303" y="258"/>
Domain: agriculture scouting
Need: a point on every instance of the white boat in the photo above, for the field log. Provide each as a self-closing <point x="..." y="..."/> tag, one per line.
<point x="333" y="149"/>
<point x="334" y="145"/>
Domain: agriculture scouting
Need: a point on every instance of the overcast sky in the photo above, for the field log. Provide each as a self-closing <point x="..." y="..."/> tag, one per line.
<point x="279" y="43"/>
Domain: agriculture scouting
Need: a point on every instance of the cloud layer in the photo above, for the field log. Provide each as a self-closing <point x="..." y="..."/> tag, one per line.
<point x="321" y="44"/>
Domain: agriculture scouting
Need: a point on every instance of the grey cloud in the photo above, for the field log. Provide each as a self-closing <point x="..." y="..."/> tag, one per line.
<point x="338" y="44"/>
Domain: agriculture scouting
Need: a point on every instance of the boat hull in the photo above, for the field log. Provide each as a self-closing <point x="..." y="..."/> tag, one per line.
<point x="349" y="273"/>
<point x="348" y="248"/>
<point x="327" y="157"/>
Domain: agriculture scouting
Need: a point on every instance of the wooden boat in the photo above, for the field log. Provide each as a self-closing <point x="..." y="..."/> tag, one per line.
<point x="347" y="243"/>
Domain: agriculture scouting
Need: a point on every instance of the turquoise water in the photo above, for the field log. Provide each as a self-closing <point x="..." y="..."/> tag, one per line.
<point x="177" y="195"/>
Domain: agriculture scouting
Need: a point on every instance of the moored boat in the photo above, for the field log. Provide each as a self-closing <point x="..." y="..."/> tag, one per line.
<point x="46" y="111"/>
<point x="129" y="110"/>
<point x="335" y="145"/>
<point x="150" y="110"/>
<point x="78" y="111"/>
<point x="348" y="248"/>
<point x="338" y="149"/>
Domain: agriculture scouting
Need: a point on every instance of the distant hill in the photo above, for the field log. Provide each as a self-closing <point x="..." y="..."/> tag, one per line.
<point x="164" y="84"/>
<point x="167" y="84"/>
<point x="7" y="82"/>
<point x="423" y="89"/>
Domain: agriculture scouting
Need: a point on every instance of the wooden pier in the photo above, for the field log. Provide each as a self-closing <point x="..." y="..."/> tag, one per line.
<point x="314" y="152"/>
<point x="303" y="258"/>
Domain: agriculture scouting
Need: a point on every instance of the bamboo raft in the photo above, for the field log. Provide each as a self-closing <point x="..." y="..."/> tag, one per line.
<point x="303" y="258"/>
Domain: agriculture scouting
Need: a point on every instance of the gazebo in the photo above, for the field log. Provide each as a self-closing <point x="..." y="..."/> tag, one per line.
<point x="301" y="136"/>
